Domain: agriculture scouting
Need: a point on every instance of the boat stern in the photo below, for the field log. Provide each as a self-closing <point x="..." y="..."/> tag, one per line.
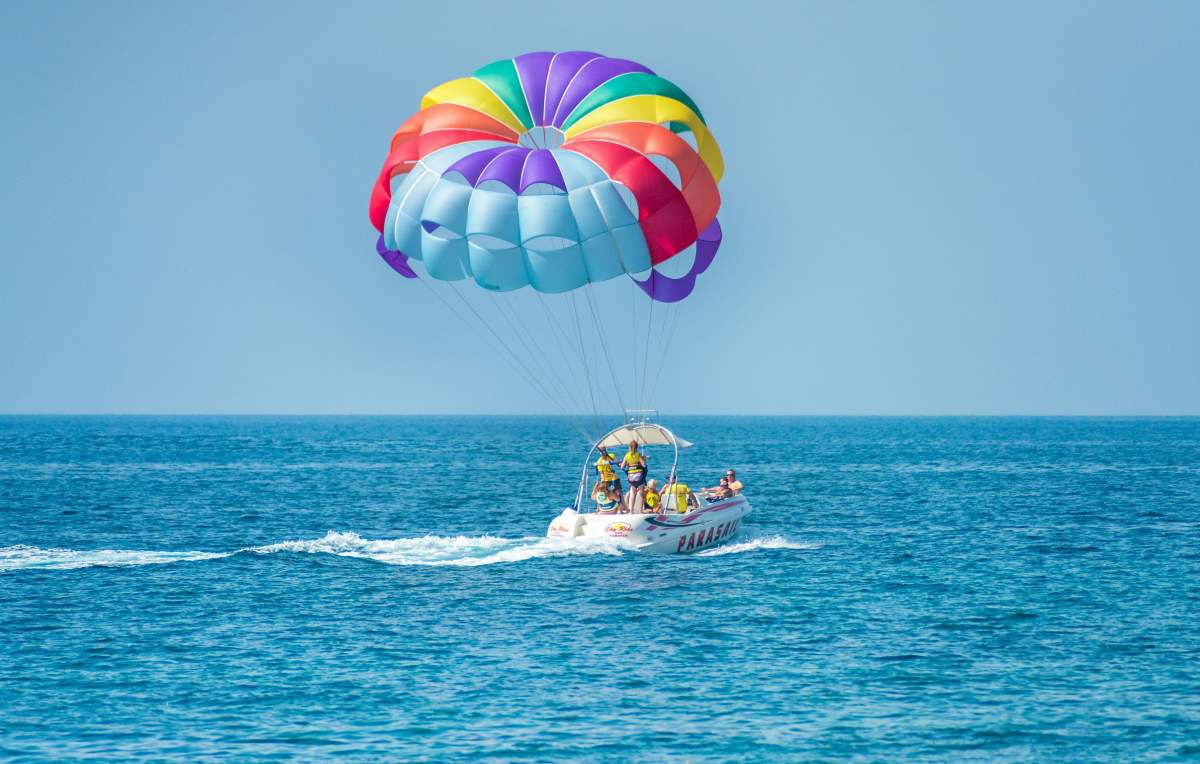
<point x="568" y="525"/>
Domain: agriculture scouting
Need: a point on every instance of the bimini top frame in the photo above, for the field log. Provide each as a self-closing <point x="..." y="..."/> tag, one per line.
<point x="637" y="427"/>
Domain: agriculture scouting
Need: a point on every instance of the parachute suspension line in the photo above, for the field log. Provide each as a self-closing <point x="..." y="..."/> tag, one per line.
<point x="587" y="372"/>
<point x="604" y="394"/>
<point x="561" y="336"/>
<point x="574" y="372"/>
<point x="514" y="332"/>
<point x="594" y="346"/>
<point x="526" y="364"/>
<point x="473" y="328"/>
<point x="616" y="380"/>
<point x="516" y="361"/>
<point x="520" y="332"/>
<point x="612" y="371"/>
<point x="668" y="338"/>
<point x="667" y="346"/>
<point x="548" y="344"/>
<point x="633" y="314"/>
<point x="540" y="350"/>
<point x="646" y="359"/>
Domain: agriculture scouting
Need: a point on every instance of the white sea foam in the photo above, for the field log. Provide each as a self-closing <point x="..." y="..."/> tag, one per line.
<point x="459" y="551"/>
<point x="463" y="551"/>
<point x="755" y="544"/>
<point x="21" y="556"/>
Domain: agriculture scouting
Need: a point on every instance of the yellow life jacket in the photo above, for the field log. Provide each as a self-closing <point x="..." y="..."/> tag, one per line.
<point x="681" y="496"/>
<point x="604" y="466"/>
<point x="632" y="464"/>
<point x="652" y="498"/>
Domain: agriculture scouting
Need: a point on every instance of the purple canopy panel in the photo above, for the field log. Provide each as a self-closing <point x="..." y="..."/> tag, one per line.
<point x="541" y="167"/>
<point x="472" y="165"/>
<point x="666" y="289"/>
<point x="532" y="69"/>
<point x="564" y="67"/>
<point x="590" y="76"/>
<point x="507" y="168"/>
<point x="396" y="259"/>
<point x="517" y="167"/>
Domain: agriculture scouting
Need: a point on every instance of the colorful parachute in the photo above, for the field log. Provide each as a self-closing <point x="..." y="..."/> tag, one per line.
<point x="553" y="170"/>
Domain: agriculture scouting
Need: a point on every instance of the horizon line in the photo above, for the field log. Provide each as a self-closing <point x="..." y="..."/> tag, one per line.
<point x="547" y="415"/>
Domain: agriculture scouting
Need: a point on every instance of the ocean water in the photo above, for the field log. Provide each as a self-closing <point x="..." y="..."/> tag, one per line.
<point x="906" y="589"/>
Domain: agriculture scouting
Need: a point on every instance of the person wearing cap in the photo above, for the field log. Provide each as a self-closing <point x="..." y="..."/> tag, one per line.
<point x="605" y="466"/>
<point x="651" y="499"/>
<point x="735" y="485"/>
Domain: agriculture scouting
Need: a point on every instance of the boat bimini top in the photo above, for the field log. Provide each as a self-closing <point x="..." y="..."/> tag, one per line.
<point x="638" y="426"/>
<point x="645" y="433"/>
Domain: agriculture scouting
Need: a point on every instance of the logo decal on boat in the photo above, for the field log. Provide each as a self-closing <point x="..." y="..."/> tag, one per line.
<point x="699" y="539"/>
<point x="618" y="529"/>
<point x="558" y="529"/>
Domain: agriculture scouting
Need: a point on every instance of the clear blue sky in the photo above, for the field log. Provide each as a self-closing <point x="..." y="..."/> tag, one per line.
<point x="934" y="207"/>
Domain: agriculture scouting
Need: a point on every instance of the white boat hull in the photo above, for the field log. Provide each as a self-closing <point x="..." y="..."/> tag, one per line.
<point x="667" y="533"/>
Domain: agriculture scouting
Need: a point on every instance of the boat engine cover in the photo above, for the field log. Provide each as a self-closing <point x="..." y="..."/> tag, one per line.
<point x="568" y="525"/>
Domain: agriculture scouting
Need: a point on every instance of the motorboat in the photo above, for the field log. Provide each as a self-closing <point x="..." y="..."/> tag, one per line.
<point x="685" y="522"/>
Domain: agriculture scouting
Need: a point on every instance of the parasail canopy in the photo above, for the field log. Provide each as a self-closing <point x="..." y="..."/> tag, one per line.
<point x="554" y="171"/>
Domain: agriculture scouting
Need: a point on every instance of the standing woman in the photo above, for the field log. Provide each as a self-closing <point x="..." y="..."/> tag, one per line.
<point x="634" y="465"/>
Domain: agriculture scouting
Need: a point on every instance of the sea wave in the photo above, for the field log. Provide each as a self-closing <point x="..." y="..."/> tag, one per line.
<point x="457" y="551"/>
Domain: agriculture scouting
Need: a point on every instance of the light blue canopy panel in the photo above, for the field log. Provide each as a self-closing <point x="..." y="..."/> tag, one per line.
<point x="553" y="239"/>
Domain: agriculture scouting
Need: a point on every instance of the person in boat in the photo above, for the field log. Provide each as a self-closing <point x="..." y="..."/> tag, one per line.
<point x="606" y="466"/>
<point x="683" y="496"/>
<point x="722" y="491"/>
<point x="607" y="496"/>
<point x="634" y="465"/>
<point x="735" y="485"/>
<point x="652" y="499"/>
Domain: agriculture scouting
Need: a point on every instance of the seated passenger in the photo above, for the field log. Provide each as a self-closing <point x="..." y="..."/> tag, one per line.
<point x="722" y="491"/>
<point x="607" y="496"/>
<point x="652" y="501"/>
<point x="683" y="496"/>
<point x="735" y="485"/>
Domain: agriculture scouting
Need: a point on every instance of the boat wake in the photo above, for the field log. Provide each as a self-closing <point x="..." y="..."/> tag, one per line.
<point x="463" y="551"/>
<point x="20" y="556"/>
<point x="457" y="551"/>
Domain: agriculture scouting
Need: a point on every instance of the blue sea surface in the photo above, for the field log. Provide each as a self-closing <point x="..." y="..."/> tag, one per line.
<point x="929" y="589"/>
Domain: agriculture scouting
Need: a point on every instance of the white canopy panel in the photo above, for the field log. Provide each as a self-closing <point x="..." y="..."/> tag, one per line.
<point x="644" y="434"/>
